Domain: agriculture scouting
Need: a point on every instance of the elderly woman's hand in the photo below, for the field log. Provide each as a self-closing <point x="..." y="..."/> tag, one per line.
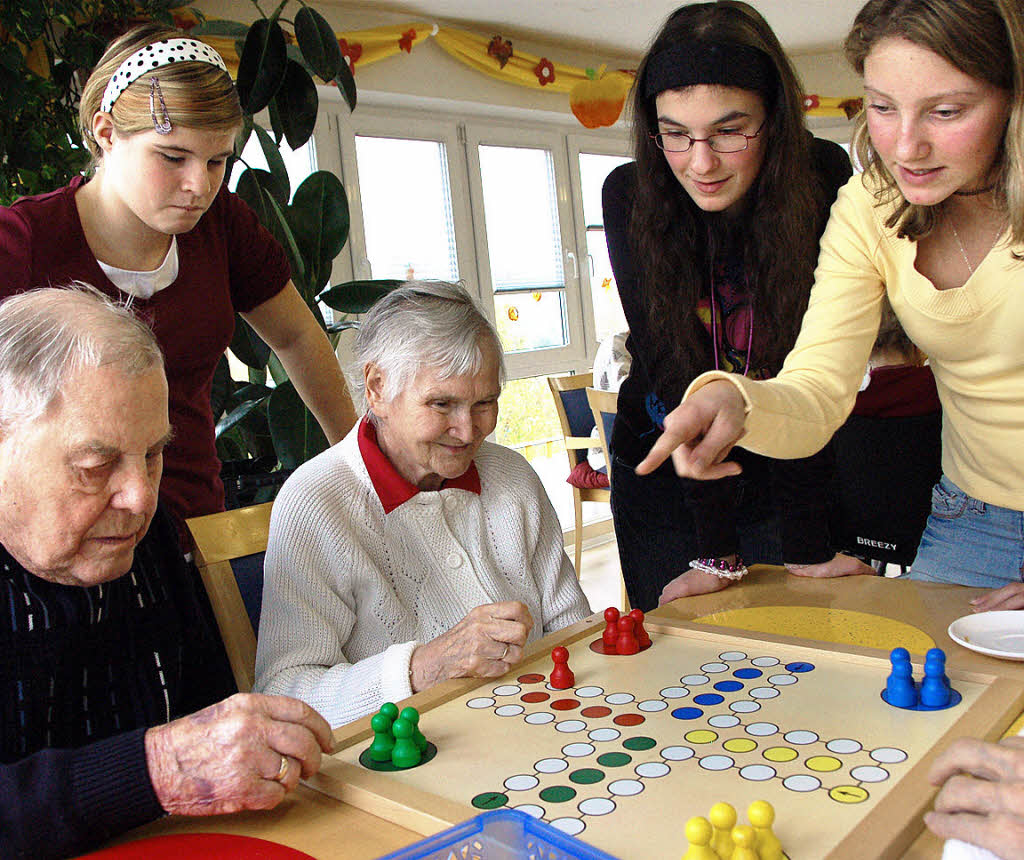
<point x="484" y="644"/>
<point x="246" y="752"/>
<point x="1008" y="597"/>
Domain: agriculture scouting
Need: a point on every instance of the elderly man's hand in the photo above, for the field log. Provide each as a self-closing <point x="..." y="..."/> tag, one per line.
<point x="982" y="796"/>
<point x="246" y="752"/>
<point x="484" y="644"/>
<point x="1008" y="597"/>
<point x="700" y="433"/>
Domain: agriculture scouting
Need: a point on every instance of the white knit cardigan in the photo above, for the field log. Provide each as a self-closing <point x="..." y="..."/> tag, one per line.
<point x="350" y="591"/>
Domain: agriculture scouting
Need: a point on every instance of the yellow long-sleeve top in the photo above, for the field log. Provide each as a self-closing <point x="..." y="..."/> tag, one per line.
<point x="973" y="336"/>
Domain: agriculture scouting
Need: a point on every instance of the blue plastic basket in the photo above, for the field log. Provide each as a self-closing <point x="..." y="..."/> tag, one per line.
<point x="502" y="834"/>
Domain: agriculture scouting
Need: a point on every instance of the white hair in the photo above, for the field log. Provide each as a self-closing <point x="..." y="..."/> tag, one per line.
<point x="50" y="334"/>
<point x="432" y="324"/>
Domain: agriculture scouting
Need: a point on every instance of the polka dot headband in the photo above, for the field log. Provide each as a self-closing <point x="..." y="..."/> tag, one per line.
<point x="162" y="53"/>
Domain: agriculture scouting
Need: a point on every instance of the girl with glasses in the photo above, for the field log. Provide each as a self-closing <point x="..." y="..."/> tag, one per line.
<point x="712" y="234"/>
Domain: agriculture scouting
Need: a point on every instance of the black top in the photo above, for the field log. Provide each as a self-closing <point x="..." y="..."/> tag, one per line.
<point x="803" y="521"/>
<point x="83" y="673"/>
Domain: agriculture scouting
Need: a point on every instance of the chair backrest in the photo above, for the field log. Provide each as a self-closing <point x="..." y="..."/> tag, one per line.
<point x="885" y="471"/>
<point x="574" y="413"/>
<point x="603" y="405"/>
<point x="229" y="550"/>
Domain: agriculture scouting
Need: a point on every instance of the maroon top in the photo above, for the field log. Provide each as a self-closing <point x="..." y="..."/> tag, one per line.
<point x="228" y="262"/>
<point x="899" y="391"/>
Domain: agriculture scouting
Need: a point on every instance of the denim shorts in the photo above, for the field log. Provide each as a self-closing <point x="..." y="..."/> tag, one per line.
<point x="969" y="542"/>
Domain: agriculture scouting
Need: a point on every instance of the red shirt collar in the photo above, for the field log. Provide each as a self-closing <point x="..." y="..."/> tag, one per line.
<point x="392" y="489"/>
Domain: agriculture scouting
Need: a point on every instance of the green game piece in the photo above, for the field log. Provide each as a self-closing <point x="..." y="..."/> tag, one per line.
<point x="411" y="715"/>
<point x="390" y="709"/>
<point x="383" y="742"/>
<point x="405" y="753"/>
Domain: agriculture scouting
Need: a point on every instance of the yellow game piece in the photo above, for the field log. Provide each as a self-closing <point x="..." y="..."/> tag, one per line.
<point x="762" y="816"/>
<point x="698" y="835"/>
<point x="743" y="839"/>
<point x="723" y="820"/>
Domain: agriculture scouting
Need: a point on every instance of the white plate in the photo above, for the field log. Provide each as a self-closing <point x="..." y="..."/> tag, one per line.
<point x="998" y="634"/>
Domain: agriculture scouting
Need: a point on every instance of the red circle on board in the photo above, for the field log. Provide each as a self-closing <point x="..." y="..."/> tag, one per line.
<point x="200" y="846"/>
<point x="532" y="678"/>
<point x="535" y="696"/>
<point x="595" y="711"/>
<point x="564" y="704"/>
<point x="628" y="720"/>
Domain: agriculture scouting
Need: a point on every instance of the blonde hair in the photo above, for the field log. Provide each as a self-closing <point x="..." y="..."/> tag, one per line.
<point x="983" y="39"/>
<point x="198" y="95"/>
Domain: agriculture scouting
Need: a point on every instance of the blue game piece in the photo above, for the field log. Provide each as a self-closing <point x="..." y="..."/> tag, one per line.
<point x="899" y="687"/>
<point x="935" y="690"/>
<point x="937" y="655"/>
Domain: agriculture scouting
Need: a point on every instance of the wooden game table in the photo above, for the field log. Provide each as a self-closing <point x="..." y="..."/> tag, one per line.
<point x="860" y="611"/>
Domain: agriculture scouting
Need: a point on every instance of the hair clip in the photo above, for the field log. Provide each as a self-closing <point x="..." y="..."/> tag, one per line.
<point x="161" y="126"/>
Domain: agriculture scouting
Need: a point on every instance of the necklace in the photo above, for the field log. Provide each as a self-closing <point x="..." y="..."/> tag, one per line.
<point x="976" y="191"/>
<point x="963" y="250"/>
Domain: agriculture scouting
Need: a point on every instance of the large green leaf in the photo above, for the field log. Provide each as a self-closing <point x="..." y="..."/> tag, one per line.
<point x="275" y="162"/>
<point x="238" y="415"/>
<point x="320" y="218"/>
<point x="297" y="104"/>
<point x="269" y="184"/>
<point x="262" y="65"/>
<point x="318" y="43"/>
<point x="282" y="231"/>
<point x="222" y="389"/>
<point x="346" y="83"/>
<point x="296" y="434"/>
<point x="356" y="297"/>
<point x="247" y="346"/>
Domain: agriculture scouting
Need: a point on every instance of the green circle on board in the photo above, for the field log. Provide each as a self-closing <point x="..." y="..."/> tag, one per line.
<point x="586" y="776"/>
<point x="640" y="743"/>
<point x="558" y="794"/>
<point x="490" y="800"/>
<point x="614" y="759"/>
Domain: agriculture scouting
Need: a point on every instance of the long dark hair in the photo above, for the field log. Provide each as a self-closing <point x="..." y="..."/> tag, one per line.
<point x="675" y="242"/>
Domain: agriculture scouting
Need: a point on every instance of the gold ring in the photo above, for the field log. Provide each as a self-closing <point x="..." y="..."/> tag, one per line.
<point x="282" y="771"/>
<point x="504" y="653"/>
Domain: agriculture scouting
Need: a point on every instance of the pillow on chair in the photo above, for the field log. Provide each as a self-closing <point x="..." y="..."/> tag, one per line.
<point x="585" y="477"/>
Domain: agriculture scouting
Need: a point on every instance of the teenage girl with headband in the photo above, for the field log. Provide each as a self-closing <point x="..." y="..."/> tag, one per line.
<point x="155" y="226"/>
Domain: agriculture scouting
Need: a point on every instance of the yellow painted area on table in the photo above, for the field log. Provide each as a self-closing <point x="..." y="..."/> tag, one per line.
<point x="843" y="626"/>
<point x="1017" y="728"/>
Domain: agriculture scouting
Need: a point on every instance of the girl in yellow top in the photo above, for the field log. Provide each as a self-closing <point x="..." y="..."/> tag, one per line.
<point x="937" y="222"/>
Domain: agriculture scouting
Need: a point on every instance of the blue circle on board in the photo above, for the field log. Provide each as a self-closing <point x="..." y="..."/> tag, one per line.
<point x="748" y="673"/>
<point x="728" y="686"/>
<point x="708" y="699"/>
<point x="800" y="667"/>
<point x="687" y="713"/>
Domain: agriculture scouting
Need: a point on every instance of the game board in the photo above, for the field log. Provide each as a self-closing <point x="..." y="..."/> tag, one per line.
<point x="642" y="743"/>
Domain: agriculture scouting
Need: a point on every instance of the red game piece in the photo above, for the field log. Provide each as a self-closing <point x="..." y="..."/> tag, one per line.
<point x="611" y="630"/>
<point x="642" y="637"/>
<point x="626" y="642"/>
<point x="562" y="677"/>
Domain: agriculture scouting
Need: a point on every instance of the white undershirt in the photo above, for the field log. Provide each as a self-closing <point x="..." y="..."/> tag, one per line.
<point x="145" y="285"/>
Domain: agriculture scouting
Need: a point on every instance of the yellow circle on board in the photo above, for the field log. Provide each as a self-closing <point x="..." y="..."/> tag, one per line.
<point x="823" y="763"/>
<point x="740" y="745"/>
<point x="780" y="754"/>
<point x="842" y="626"/>
<point x="848" y="794"/>
<point x="701" y="736"/>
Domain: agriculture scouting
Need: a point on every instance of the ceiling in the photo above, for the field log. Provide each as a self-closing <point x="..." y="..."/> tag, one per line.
<point x="623" y="28"/>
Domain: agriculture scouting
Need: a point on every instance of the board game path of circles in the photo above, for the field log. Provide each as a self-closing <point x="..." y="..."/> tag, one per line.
<point x="642" y="743"/>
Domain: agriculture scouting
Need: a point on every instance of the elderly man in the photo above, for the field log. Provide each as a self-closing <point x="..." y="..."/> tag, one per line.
<point x="413" y="551"/>
<point x="106" y="639"/>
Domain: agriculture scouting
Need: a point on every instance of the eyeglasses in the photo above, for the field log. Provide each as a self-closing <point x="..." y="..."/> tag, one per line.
<point x="733" y="141"/>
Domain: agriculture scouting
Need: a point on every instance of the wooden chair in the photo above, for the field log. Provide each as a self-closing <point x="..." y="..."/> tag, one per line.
<point x="229" y="550"/>
<point x="603" y="406"/>
<point x="577" y="422"/>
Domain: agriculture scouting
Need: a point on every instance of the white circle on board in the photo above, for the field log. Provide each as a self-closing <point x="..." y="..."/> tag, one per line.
<point x="539" y="718"/>
<point x="724" y="721"/>
<point x="802" y="782"/>
<point x="869" y="773"/>
<point x="782" y="680"/>
<point x="480" y="702"/>
<point x="716" y="762"/>
<point x="714" y="668"/>
<point x="521" y="782"/>
<point x="674" y="692"/>
<point x="764" y="692"/>
<point x="677" y="753"/>
<point x="531" y="809"/>
<point x="572" y="826"/>
<point x="509" y="710"/>
<point x="695" y="680"/>
<point x="604" y="734"/>
<point x="652" y="705"/>
<point x="589" y="692"/>
<point x="762" y="730"/>
<point x="757" y="772"/>
<point x="744" y="706"/>
<point x="801" y="737"/>
<point x="551" y="765"/>
<point x="732" y="656"/>
<point x="652" y="769"/>
<point x="577" y="750"/>
<point x="571" y="726"/>
<point x="765" y="662"/>
<point x="843" y="746"/>
<point x="506" y="690"/>
<point x="619" y="698"/>
<point x="625" y="787"/>
<point x="596" y="806"/>
<point x="888" y="755"/>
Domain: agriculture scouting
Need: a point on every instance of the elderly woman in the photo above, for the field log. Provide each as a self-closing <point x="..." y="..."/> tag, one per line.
<point x="412" y="551"/>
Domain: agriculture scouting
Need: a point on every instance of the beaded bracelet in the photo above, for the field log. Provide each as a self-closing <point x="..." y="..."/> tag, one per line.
<point x="720" y="567"/>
